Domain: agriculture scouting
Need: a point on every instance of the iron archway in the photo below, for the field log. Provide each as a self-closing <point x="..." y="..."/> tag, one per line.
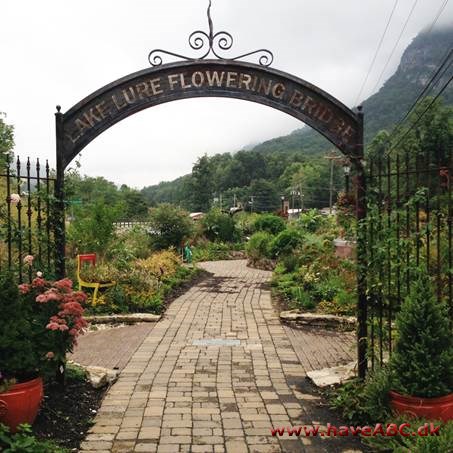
<point x="226" y="78"/>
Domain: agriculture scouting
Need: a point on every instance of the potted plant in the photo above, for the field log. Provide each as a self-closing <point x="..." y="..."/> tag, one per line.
<point x="422" y="362"/>
<point x="42" y="322"/>
<point x="21" y="387"/>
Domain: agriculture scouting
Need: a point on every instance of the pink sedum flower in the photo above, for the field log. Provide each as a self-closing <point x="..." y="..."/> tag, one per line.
<point x="64" y="285"/>
<point x="24" y="288"/>
<point x="49" y="295"/>
<point x="38" y="283"/>
<point x="52" y="326"/>
<point x="28" y="260"/>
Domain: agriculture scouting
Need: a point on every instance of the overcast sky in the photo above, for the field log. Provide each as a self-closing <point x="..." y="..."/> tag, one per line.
<point x="58" y="52"/>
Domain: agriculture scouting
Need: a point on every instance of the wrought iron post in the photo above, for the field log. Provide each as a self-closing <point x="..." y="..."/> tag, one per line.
<point x="59" y="208"/>
<point x="361" y="208"/>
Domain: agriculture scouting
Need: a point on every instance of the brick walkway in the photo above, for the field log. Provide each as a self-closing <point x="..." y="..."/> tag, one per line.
<point x="177" y="394"/>
<point x="319" y="348"/>
<point x="110" y="348"/>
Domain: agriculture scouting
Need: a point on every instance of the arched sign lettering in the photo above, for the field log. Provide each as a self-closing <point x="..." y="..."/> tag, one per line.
<point x="209" y="78"/>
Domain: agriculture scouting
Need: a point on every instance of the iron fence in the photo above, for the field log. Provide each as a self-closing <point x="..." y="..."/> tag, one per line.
<point x="25" y="219"/>
<point x="409" y="226"/>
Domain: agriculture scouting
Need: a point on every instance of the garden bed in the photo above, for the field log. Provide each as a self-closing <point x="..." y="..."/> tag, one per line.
<point x="66" y="413"/>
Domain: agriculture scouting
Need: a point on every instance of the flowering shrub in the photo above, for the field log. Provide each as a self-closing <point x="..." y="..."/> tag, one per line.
<point x="56" y="314"/>
<point x="160" y="264"/>
<point x="145" y="285"/>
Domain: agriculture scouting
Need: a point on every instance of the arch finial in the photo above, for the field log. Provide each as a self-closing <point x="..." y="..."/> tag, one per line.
<point x="211" y="44"/>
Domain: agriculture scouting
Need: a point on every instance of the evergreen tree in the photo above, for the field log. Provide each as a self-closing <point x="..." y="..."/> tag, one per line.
<point x="202" y="184"/>
<point x="423" y="358"/>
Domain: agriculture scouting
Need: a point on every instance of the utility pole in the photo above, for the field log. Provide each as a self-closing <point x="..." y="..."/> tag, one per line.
<point x="234" y="200"/>
<point x="332" y="157"/>
<point x="331" y="187"/>
<point x="301" y="198"/>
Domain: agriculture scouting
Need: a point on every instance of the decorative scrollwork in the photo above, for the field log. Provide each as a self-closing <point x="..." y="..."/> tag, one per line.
<point x="210" y="43"/>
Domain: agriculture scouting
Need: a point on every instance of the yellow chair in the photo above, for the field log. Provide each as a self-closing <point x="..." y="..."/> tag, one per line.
<point x="91" y="259"/>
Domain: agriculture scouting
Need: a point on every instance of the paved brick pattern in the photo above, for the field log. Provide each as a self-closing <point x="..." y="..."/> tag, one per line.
<point x="174" y="396"/>
<point x="110" y="348"/>
<point x="319" y="348"/>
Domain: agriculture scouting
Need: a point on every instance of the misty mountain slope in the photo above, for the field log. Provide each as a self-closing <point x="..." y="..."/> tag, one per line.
<point x="384" y="108"/>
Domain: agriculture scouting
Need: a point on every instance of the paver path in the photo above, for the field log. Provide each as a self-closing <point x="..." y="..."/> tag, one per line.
<point x="181" y="393"/>
<point x="110" y="348"/>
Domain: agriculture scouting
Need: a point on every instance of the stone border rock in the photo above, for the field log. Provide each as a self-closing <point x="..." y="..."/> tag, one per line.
<point x="129" y="318"/>
<point x="333" y="376"/>
<point x="98" y="376"/>
<point x="296" y="318"/>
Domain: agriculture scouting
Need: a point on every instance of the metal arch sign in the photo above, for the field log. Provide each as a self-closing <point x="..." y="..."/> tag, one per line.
<point x="205" y="78"/>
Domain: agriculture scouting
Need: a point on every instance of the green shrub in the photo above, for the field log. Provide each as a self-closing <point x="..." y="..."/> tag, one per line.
<point x="316" y="247"/>
<point x="259" y="245"/>
<point x="170" y="225"/>
<point x="284" y="284"/>
<point x="303" y="298"/>
<point x="328" y="288"/>
<point x="19" y="358"/>
<point x="102" y="273"/>
<point x="116" y="301"/>
<point x="270" y="223"/>
<point x="286" y="242"/>
<point x="312" y="221"/>
<point x="144" y="291"/>
<point x="93" y="230"/>
<point x="290" y="262"/>
<point x="135" y="242"/>
<point x="245" y="223"/>
<point x="25" y="442"/>
<point x="366" y="402"/>
<point x="422" y="360"/>
<point x="218" y="226"/>
<point x="148" y="303"/>
<point x="75" y="373"/>
<point x="211" y="251"/>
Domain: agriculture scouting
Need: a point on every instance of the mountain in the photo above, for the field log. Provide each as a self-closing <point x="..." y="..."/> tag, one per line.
<point x="418" y="63"/>
<point x="382" y="110"/>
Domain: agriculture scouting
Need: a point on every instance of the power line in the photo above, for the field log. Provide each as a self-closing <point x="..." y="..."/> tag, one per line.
<point x="425" y="89"/>
<point x="395" y="46"/>
<point x="377" y="51"/>
<point x="443" y="61"/>
<point x="439" y="12"/>
<point x="422" y="114"/>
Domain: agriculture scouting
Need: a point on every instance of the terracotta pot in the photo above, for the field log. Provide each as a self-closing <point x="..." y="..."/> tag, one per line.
<point x="20" y="404"/>
<point x="440" y="408"/>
